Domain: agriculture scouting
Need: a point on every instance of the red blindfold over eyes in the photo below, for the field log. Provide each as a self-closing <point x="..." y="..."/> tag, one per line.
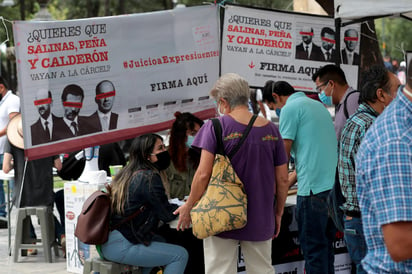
<point x="332" y="41"/>
<point x="73" y="104"/>
<point x="42" y="101"/>
<point x="355" y="39"/>
<point x="106" y="94"/>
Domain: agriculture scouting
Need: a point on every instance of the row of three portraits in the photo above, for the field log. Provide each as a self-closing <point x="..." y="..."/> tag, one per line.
<point x="326" y="52"/>
<point x="49" y="127"/>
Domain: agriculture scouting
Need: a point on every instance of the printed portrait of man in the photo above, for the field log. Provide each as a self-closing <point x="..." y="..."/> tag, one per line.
<point x="43" y="130"/>
<point x="104" y="119"/>
<point x="72" y="124"/>
<point x="307" y="50"/>
<point x="348" y="54"/>
<point x="328" y="42"/>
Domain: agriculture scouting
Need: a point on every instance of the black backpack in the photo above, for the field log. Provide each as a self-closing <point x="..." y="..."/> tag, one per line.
<point x="335" y="200"/>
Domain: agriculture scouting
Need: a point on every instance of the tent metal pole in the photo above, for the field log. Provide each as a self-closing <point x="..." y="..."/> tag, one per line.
<point x="337" y="39"/>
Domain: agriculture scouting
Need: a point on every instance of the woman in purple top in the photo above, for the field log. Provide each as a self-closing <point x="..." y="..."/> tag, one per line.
<point x="260" y="163"/>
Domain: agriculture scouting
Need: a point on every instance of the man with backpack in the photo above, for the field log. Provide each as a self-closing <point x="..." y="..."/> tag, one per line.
<point x="333" y="89"/>
<point x="379" y="87"/>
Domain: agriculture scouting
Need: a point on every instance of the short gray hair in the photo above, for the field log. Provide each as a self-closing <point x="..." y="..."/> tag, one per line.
<point x="233" y="88"/>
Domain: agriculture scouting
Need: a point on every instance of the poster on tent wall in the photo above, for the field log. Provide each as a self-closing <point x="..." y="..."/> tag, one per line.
<point x="99" y="80"/>
<point x="264" y="45"/>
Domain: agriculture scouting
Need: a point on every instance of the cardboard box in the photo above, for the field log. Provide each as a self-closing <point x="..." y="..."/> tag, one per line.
<point x="75" y="194"/>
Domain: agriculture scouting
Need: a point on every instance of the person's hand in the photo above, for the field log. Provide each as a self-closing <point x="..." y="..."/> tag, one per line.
<point x="184" y="217"/>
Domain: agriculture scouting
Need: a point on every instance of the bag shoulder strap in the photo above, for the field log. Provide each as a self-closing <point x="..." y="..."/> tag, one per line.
<point x="345" y="108"/>
<point x="218" y="134"/>
<point x="130" y="217"/>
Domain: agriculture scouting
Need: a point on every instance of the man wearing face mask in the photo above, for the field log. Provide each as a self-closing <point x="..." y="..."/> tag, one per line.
<point x="308" y="135"/>
<point x="378" y="88"/>
<point x="333" y="89"/>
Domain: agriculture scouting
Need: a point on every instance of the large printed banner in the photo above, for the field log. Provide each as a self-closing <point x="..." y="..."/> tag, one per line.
<point x="93" y="81"/>
<point x="264" y="45"/>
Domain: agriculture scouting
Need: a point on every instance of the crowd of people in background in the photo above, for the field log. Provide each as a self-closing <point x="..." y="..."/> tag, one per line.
<point x="396" y="67"/>
<point x="366" y="149"/>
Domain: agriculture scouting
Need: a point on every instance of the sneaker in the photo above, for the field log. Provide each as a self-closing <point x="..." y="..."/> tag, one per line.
<point x="3" y="222"/>
<point x="31" y="252"/>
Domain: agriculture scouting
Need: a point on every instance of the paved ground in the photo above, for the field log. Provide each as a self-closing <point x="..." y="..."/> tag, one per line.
<point x="31" y="264"/>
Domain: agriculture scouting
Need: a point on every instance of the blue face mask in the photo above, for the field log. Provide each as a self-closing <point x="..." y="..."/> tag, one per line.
<point x="189" y="141"/>
<point x="327" y="100"/>
<point x="278" y="112"/>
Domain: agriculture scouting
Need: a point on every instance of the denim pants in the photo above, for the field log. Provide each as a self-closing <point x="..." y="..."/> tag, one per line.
<point x="119" y="249"/>
<point x="355" y="241"/>
<point x="316" y="233"/>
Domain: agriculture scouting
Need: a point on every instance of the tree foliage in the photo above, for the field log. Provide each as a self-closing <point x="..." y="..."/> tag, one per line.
<point x="394" y="33"/>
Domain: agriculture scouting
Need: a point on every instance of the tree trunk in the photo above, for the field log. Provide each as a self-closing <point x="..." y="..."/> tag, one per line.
<point x="369" y="48"/>
<point x="107" y="8"/>
<point x="121" y="9"/>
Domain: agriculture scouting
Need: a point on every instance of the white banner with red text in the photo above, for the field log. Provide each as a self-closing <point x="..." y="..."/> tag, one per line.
<point x="136" y="70"/>
<point x="264" y="45"/>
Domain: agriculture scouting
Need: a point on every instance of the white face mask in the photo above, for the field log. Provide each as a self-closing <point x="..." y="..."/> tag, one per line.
<point x="218" y="109"/>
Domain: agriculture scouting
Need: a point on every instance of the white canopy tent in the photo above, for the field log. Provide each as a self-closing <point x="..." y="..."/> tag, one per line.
<point x="361" y="10"/>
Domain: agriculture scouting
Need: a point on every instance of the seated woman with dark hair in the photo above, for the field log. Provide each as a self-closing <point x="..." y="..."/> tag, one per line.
<point x="139" y="184"/>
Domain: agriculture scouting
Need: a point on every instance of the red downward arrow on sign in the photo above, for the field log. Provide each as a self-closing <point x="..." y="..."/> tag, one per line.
<point x="251" y="65"/>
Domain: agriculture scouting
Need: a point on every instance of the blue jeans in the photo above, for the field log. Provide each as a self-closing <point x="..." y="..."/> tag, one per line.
<point x="316" y="233"/>
<point x="119" y="249"/>
<point x="355" y="241"/>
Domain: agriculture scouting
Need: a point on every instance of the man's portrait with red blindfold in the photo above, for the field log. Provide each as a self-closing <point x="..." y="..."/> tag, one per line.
<point x="348" y="54"/>
<point x="327" y="36"/>
<point x="103" y="118"/>
<point x="43" y="130"/>
<point x="72" y="124"/>
<point x="307" y="49"/>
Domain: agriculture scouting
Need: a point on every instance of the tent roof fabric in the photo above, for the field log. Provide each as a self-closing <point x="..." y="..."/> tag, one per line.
<point x="357" y="9"/>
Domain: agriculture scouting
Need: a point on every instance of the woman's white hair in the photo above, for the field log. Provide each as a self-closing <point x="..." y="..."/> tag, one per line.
<point x="233" y="88"/>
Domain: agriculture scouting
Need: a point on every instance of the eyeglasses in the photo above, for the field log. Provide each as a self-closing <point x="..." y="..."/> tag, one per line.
<point x="318" y="88"/>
